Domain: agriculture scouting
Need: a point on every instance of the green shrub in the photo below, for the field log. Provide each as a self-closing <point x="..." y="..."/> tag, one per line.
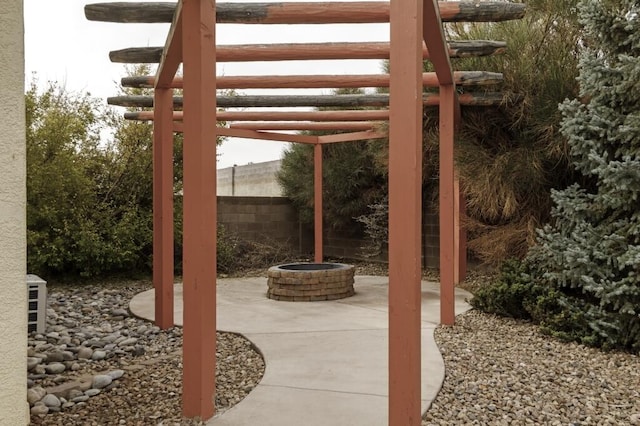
<point x="509" y="295"/>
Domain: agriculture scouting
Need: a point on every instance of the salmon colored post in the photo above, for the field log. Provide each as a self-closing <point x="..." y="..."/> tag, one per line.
<point x="163" y="207"/>
<point x="447" y="205"/>
<point x="317" y="202"/>
<point x="199" y="256"/>
<point x="405" y="205"/>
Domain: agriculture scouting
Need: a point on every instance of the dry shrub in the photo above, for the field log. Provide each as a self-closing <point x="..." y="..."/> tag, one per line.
<point x="493" y="244"/>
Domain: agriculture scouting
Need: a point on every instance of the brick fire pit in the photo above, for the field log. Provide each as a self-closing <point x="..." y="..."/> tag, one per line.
<point x="310" y="282"/>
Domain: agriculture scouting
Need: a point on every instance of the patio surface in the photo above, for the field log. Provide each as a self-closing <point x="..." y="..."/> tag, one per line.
<point x="326" y="362"/>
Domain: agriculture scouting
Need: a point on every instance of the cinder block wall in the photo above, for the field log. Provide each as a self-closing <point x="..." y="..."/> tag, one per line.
<point x="264" y="219"/>
<point x="275" y="219"/>
<point x="14" y="409"/>
<point x="251" y="180"/>
<point x="340" y="245"/>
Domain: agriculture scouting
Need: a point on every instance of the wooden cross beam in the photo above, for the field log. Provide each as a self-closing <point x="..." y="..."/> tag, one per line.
<point x="429" y="79"/>
<point x="302" y="13"/>
<point x="308" y="51"/>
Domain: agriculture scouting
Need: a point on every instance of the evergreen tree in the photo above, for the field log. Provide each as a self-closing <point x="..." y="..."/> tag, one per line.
<point x="589" y="257"/>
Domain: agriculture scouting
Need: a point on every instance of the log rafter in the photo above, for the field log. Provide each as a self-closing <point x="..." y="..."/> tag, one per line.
<point x="308" y="51"/>
<point x="284" y="101"/>
<point x="300" y="12"/>
<point x="429" y="79"/>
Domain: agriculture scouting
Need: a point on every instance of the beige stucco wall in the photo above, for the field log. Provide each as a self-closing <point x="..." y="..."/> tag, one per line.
<point x="250" y="180"/>
<point x="13" y="293"/>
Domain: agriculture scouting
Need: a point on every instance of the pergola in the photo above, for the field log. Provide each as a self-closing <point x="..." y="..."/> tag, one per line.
<point x="416" y="33"/>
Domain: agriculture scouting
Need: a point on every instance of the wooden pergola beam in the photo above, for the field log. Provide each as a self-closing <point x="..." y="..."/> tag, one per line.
<point x="284" y="101"/>
<point x="308" y="51"/>
<point x="228" y="116"/>
<point x="268" y="136"/>
<point x="352" y="136"/>
<point x="429" y="79"/>
<point x="433" y="36"/>
<point x="306" y="125"/>
<point x="172" y="52"/>
<point x="302" y="13"/>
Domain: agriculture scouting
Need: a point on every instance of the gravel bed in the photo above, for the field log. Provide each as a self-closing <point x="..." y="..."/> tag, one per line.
<point x="501" y="371"/>
<point x="93" y="320"/>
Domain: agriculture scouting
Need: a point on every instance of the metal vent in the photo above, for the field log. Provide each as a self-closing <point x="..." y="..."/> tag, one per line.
<point x="37" y="295"/>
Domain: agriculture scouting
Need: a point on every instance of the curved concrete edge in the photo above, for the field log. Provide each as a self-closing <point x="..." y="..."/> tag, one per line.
<point x="304" y="372"/>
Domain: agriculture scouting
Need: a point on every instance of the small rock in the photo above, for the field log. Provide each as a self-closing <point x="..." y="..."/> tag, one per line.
<point x="67" y="356"/>
<point x="39" y="369"/>
<point x="73" y="393"/>
<point x="119" y="313"/>
<point x="50" y="400"/>
<point x="68" y="404"/>
<point x="101" y="381"/>
<point x="39" y="410"/>
<point x="35" y="394"/>
<point x="138" y="350"/>
<point x="128" y="342"/>
<point x="115" y="374"/>
<point x="92" y="392"/>
<point x="32" y="362"/>
<point x="634" y="419"/>
<point x="98" y="355"/>
<point x="56" y="356"/>
<point x="85" y="353"/>
<point x="80" y="398"/>
<point x="55" y="368"/>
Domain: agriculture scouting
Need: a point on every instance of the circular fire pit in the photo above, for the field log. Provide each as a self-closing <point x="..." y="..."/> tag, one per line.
<point x="310" y="282"/>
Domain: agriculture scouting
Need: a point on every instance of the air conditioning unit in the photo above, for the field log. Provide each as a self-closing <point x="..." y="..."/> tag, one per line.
<point x="37" y="297"/>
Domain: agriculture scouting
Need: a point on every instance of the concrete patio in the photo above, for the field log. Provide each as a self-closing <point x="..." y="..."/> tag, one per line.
<point x="326" y="362"/>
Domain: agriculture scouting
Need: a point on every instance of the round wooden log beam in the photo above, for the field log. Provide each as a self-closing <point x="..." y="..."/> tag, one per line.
<point x="229" y="116"/>
<point x="284" y="101"/>
<point x="301" y="12"/>
<point x="327" y="125"/>
<point x="308" y="51"/>
<point x="429" y="79"/>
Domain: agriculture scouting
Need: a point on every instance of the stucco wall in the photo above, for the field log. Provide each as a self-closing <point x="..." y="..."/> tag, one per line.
<point x="13" y="293"/>
<point x="250" y="180"/>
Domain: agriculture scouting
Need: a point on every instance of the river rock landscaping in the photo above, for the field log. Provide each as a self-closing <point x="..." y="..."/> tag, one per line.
<point x="98" y="365"/>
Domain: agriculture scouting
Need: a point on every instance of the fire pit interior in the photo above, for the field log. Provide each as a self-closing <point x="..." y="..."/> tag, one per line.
<point x="310" y="282"/>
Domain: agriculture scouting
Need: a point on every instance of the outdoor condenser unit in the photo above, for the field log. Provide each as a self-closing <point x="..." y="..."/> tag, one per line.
<point x="37" y="299"/>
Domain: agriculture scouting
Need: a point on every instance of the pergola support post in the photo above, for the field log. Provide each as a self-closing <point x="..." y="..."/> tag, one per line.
<point x="317" y="203"/>
<point x="199" y="259"/>
<point x="447" y="205"/>
<point x="405" y="206"/>
<point x="163" y="208"/>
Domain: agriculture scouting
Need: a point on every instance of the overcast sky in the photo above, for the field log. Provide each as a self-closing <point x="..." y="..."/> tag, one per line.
<point x="61" y="45"/>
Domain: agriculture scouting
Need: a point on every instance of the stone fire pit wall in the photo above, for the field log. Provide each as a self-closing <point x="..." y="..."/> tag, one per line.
<point x="310" y="282"/>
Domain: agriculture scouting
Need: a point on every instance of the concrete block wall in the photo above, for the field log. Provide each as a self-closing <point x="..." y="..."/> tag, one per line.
<point x="251" y="180"/>
<point x="344" y="246"/>
<point x="275" y="219"/>
<point x="264" y="219"/>
<point x="14" y="409"/>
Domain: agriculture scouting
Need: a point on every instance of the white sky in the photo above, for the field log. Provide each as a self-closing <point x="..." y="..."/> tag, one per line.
<point x="62" y="45"/>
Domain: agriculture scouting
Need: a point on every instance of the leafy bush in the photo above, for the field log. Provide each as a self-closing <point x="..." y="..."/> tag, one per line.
<point x="511" y="295"/>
